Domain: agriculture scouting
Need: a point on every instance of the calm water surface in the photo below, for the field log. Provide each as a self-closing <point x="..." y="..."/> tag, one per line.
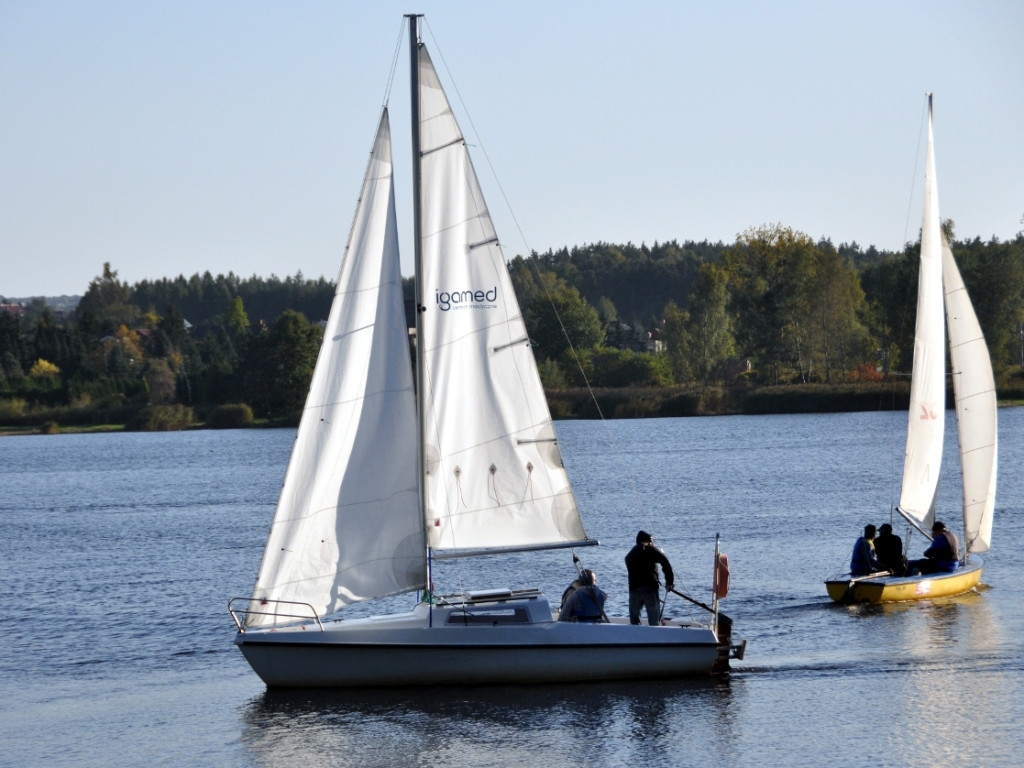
<point x="120" y="551"/>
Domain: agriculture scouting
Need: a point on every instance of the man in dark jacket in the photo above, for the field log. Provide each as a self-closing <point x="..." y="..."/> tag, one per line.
<point x="642" y="566"/>
<point x="943" y="554"/>
<point x="889" y="548"/>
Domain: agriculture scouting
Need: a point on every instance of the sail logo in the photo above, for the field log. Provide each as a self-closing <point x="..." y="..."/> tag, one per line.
<point x="928" y="412"/>
<point x="470" y="299"/>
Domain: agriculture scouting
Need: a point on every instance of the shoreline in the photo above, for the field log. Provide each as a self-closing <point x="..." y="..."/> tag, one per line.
<point x="624" y="403"/>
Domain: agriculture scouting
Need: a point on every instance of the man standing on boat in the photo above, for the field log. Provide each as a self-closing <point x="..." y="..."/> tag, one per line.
<point x="642" y="566"/>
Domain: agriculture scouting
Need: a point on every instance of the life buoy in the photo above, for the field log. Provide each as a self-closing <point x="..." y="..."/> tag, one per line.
<point x="721" y="582"/>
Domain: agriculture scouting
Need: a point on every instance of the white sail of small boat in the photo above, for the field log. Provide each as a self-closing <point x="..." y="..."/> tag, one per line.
<point x="927" y="412"/>
<point x="386" y="477"/>
<point x="976" y="413"/>
<point x="974" y="388"/>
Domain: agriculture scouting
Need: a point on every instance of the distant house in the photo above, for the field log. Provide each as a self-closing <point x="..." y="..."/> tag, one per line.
<point x="636" y="339"/>
<point x="13" y="309"/>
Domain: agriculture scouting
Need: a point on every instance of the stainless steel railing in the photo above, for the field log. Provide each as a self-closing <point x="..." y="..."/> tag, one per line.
<point x="266" y="607"/>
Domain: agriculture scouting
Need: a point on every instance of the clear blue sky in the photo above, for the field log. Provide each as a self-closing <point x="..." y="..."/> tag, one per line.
<point x="176" y="137"/>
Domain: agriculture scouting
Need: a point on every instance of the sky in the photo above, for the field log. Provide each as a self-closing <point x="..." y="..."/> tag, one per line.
<point x="174" y="138"/>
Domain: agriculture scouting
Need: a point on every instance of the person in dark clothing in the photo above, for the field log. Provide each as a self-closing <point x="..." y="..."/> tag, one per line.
<point x="889" y="549"/>
<point x="864" y="560"/>
<point x="944" y="553"/>
<point x="585" y="602"/>
<point x="642" y="566"/>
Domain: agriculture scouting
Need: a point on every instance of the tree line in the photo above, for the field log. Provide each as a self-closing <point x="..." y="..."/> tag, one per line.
<point x="774" y="307"/>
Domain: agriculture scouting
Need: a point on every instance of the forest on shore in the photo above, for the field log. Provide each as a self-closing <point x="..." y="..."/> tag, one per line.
<point x="773" y="322"/>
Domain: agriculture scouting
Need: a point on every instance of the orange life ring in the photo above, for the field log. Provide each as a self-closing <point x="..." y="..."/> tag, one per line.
<point x="721" y="583"/>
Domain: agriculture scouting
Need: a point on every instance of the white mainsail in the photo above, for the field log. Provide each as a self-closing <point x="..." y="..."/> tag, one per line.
<point x="348" y="525"/>
<point x="494" y="474"/>
<point x="928" y="384"/>
<point x="976" y="407"/>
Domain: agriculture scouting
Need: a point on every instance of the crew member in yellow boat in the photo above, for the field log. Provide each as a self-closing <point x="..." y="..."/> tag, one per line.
<point x="889" y="548"/>
<point x="942" y="556"/>
<point x="864" y="560"/>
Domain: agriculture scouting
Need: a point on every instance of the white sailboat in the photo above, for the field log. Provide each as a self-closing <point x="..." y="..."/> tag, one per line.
<point x="976" y="413"/>
<point x="385" y="477"/>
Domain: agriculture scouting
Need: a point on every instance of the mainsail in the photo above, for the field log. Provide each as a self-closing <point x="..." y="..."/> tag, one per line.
<point x="494" y="474"/>
<point x="976" y="406"/>
<point x="348" y="525"/>
<point x="928" y="385"/>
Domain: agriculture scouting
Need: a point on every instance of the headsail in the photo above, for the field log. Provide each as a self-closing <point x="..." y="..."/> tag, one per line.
<point x="494" y="474"/>
<point x="976" y="407"/>
<point x="348" y="524"/>
<point x="928" y="386"/>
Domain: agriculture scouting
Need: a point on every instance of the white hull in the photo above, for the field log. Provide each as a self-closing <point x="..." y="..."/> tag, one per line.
<point x="476" y="642"/>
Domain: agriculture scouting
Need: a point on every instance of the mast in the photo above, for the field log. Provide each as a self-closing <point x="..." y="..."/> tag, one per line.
<point x="414" y="90"/>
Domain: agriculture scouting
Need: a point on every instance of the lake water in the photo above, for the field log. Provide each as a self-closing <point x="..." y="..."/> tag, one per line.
<point x="119" y="553"/>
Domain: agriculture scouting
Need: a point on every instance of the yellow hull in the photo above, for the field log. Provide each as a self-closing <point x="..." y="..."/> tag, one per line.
<point x="895" y="589"/>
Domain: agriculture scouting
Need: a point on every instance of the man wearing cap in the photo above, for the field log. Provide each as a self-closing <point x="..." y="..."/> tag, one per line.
<point x="642" y="566"/>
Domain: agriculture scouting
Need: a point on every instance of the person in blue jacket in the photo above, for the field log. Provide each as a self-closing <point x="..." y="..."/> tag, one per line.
<point x="944" y="553"/>
<point x="864" y="560"/>
<point x="585" y="602"/>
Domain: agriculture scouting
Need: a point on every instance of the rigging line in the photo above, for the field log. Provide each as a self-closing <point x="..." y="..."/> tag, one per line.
<point x="590" y="390"/>
<point x="477" y="137"/>
<point x="394" y="63"/>
<point x="917" y="160"/>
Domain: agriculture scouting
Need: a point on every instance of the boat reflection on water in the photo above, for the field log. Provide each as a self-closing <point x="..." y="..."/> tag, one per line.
<point x="935" y="684"/>
<point x="496" y="725"/>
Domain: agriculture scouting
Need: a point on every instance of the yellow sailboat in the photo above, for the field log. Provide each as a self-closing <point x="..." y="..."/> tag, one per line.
<point x="975" y="401"/>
